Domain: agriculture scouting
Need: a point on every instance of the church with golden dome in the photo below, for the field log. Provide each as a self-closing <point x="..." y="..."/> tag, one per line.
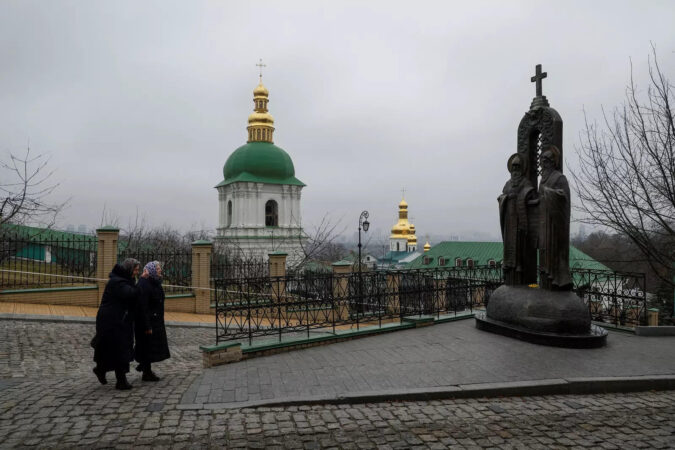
<point x="403" y="237"/>
<point x="259" y="197"/>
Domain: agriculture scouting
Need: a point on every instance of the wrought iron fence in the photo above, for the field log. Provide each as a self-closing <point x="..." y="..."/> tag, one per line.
<point x="176" y="266"/>
<point x="40" y="258"/>
<point x="617" y="298"/>
<point x="224" y="266"/>
<point x="247" y="308"/>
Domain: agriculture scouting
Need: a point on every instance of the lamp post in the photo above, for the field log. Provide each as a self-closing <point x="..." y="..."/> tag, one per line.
<point x="363" y="223"/>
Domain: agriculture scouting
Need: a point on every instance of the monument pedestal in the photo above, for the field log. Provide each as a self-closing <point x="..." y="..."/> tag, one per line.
<point x="556" y="318"/>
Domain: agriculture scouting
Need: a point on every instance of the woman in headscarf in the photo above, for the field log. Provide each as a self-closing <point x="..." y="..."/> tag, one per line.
<point x="114" y="341"/>
<point x="151" y="342"/>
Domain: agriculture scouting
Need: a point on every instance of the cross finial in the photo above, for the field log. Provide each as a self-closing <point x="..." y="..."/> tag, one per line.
<point x="537" y="78"/>
<point x="261" y="65"/>
<point x="402" y="192"/>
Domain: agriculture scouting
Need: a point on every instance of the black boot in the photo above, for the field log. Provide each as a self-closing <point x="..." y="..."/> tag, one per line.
<point x="148" y="374"/>
<point x="122" y="383"/>
<point x="100" y="375"/>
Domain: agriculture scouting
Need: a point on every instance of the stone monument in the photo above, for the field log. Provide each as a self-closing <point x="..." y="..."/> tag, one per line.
<point x="536" y="302"/>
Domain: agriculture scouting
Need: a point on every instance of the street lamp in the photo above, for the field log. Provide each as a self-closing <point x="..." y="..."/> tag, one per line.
<point x="363" y="223"/>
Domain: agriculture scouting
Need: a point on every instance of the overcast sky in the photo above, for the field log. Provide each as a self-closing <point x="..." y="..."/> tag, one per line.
<point x="140" y="103"/>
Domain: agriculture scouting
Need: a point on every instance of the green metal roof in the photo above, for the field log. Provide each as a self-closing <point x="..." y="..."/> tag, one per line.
<point x="39" y="235"/>
<point x="483" y="252"/>
<point x="393" y="257"/>
<point x="260" y="162"/>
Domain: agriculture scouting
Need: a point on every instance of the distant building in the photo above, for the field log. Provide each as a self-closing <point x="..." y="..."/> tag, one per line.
<point x="48" y="245"/>
<point x="397" y="260"/>
<point x="402" y="242"/>
<point x="472" y="254"/>
<point x="403" y="237"/>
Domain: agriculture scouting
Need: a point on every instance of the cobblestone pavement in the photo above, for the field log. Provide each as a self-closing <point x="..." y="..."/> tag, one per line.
<point x="49" y="398"/>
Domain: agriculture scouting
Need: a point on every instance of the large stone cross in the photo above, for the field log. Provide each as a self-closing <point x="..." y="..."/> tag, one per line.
<point x="537" y="78"/>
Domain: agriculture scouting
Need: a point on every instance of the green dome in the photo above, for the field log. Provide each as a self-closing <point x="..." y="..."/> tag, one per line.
<point x="261" y="162"/>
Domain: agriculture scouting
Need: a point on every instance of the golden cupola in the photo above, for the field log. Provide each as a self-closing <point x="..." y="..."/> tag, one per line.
<point x="260" y="123"/>
<point x="427" y="247"/>
<point x="412" y="239"/>
<point x="402" y="229"/>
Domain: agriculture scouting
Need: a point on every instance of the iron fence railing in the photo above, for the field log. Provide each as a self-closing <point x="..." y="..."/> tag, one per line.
<point x="248" y="308"/>
<point x="176" y="266"/>
<point x="34" y="258"/>
<point x="616" y="298"/>
<point x="224" y="266"/>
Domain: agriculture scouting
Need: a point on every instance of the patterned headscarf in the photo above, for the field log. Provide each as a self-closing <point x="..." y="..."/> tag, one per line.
<point x="129" y="264"/>
<point x="151" y="267"/>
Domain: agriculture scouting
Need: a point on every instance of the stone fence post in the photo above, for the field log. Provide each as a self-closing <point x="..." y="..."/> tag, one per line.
<point x="277" y="269"/>
<point x="106" y="256"/>
<point x="201" y="275"/>
<point x="653" y="317"/>
<point x="341" y="269"/>
<point x="393" y="297"/>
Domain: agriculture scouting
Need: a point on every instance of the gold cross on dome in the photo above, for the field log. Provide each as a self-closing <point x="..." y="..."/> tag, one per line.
<point x="402" y="192"/>
<point x="261" y="65"/>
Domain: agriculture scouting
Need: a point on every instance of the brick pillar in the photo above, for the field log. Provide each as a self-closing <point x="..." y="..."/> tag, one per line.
<point x="341" y="270"/>
<point x="653" y="317"/>
<point x="106" y="255"/>
<point x="393" y="299"/>
<point x="277" y="266"/>
<point x="201" y="275"/>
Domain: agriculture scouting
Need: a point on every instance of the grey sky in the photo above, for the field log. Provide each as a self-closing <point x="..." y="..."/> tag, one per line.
<point x="140" y="103"/>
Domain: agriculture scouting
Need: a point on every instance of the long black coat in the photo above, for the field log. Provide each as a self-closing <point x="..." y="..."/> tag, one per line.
<point x="114" y="341"/>
<point x="150" y="315"/>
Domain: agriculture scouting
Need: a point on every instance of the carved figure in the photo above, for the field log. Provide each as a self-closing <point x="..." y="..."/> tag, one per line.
<point x="515" y="216"/>
<point x="554" y="225"/>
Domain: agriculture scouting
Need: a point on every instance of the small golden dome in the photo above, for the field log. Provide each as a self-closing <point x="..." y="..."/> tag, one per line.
<point x="427" y="247"/>
<point x="260" y="90"/>
<point x="403" y="204"/>
<point x="400" y="228"/>
<point x="412" y="239"/>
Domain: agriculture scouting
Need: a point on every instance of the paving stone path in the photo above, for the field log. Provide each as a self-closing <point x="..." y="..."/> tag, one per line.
<point x="50" y="399"/>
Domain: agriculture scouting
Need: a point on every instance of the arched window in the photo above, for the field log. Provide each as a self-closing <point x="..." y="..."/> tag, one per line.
<point x="271" y="214"/>
<point x="229" y="213"/>
<point x="458" y="262"/>
<point x="469" y="262"/>
<point x="257" y="134"/>
<point x="397" y="247"/>
<point x="492" y="263"/>
<point x="441" y="261"/>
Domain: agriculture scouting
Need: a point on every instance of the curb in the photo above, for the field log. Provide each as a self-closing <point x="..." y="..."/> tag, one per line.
<point x="556" y="386"/>
<point x="90" y="320"/>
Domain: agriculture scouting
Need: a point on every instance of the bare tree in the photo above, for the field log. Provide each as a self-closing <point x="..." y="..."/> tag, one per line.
<point x="320" y="245"/>
<point x="25" y="184"/>
<point x="626" y="175"/>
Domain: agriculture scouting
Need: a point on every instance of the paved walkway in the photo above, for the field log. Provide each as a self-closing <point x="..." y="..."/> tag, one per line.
<point x="431" y="360"/>
<point x="50" y="399"/>
<point x="26" y="310"/>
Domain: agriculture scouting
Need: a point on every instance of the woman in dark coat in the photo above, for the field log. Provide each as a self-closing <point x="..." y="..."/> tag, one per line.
<point x="151" y="342"/>
<point x="114" y="341"/>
